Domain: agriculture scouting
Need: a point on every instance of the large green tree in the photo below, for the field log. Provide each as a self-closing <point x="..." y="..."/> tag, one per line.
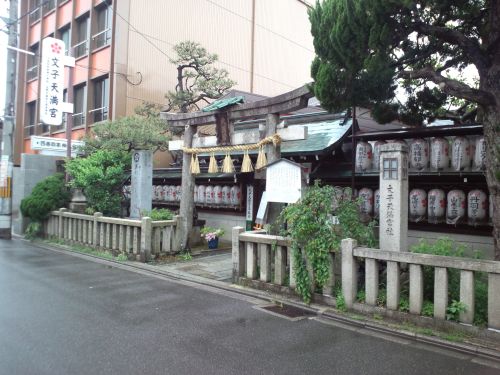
<point x="366" y="48"/>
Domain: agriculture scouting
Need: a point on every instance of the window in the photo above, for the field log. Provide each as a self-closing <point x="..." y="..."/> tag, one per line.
<point x="82" y="38"/>
<point x="101" y="100"/>
<point x="32" y="67"/>
<point x="49" y="5"/>
<point x="29" y="127"/>
<point x="65" y="36"/>
<point x="103" y="36"/>
<point x="79" y="101"/>
<point x="34" y="10"/>
<point x="390" y="169"/>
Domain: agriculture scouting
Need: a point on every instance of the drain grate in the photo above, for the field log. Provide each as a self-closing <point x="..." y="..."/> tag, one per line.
<point x="286" y="311"/>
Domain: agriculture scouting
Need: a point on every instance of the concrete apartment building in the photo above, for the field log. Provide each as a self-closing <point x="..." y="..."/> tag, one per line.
<point x="122" y="48"/>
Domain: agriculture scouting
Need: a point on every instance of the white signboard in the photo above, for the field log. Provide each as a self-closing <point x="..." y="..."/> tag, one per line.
<point x="55" y="146"/>
<point x="249" y="215"/>
<point x="262" y="212"/>
<point x="284" y="182"/>
<point x="52" y="81"/>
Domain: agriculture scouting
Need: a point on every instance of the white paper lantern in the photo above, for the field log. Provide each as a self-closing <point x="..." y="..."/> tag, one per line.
<point x="477" y="205"/>
<point x="455" y="208"/>
<point x="226" y="195"/>
<point x="419" y="154"/>
<point x="376" y="203"/>
<point x="366" y="201"/>
<point x="218" y="194"/>
<point x="209" y="195"/>
<point x="376" y="154"/>
<point x="363" y="156"/>
<point x="460" y="154"/>
<point x="201" y="194"/>
<point x="480" y="154"/>
<point x="235" y="195"/>
<point x="417" y="205"/>
<point x="436" y="204"/>
<point x="440" y="153"/>
<point x="195" y="194"/>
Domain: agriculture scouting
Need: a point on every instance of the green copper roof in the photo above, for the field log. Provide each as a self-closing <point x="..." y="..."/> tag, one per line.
<point x="222" y="103"/>
<point x="320" y="136"/>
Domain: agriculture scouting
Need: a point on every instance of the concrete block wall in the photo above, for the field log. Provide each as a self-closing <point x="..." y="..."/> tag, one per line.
<point x="33" y="169"/>
<point x="225" y="221"/>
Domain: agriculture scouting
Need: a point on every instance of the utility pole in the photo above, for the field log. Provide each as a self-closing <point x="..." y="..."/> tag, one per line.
<point x="6" y="161"/>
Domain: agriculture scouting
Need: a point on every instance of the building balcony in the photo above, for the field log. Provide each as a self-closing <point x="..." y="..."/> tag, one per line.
<point x="32" y="73"/>
<point x="81" y="49"/>
<point x="99" y="114"/>
<point x="78" y="119"/>
<point x="101" y="39"/>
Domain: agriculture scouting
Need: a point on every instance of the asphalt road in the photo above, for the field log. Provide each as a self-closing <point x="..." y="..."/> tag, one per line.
<point x="64" y="315"/>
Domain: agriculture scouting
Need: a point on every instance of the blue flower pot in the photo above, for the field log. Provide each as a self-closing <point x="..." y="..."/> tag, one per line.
<point x="213" y="244"/>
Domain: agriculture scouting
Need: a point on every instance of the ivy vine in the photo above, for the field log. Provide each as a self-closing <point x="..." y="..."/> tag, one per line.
<point x="310" y="226"/>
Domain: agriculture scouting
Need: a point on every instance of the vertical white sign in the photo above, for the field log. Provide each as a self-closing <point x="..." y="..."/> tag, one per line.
<point x="249" y="215"/>
<point x="52" y="81"/>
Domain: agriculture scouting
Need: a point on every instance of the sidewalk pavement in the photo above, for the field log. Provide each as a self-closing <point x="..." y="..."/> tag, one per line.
<point x="215" y="267"/>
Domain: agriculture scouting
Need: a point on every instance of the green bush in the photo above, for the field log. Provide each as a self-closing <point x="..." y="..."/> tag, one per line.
<point x="101" y="176"/>
<point x="157" y="214"/>
<point x="314" y="235"/>
<point x="446" y="247"/>
<point x="48" y="195"/>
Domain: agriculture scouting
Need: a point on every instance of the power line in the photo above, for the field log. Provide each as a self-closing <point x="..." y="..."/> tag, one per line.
<point x="259" y="25"/>
<point x="9" y="24"/>
<point x="146" y="37"/>
<point x="223" y="62"/>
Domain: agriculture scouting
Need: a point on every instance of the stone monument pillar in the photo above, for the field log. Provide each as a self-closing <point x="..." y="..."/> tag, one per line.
<point x="394" y="197"/>
<point x="393" y="212"/>
<point x="141" y="182"/>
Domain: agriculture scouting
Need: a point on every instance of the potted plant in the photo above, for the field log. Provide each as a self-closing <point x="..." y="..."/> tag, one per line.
<point x="211" y="235"/>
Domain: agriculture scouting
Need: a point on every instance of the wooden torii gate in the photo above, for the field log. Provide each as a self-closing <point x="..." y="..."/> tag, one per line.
<point x="270" y="108"/>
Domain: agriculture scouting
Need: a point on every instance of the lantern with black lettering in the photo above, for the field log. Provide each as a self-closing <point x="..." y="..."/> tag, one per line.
<point x="436" y="205"/>
<point x="417" y="205"/>
<point x="455" y="209"/>
<point x="477" y="206"/>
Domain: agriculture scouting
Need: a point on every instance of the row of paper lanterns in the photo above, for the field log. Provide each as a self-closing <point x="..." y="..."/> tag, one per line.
<point x="457" y="154"/>
<point x="436" y="206"/>
<point x="217" y="194"/>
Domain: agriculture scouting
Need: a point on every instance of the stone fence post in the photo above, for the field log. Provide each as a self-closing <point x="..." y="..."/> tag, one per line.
<point x="60" y="229"/>
<point x="238" y="254"/>
<point x="146" y="232"/>
<point x="95" y="229"/>
<point x="349" y="272"/>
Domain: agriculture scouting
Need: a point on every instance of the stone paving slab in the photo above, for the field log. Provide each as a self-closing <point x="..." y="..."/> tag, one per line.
<point x="214" y="267"/>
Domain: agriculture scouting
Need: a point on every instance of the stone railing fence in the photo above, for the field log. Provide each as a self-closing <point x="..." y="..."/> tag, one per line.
<point x="140" y="238"/>
<point x="266" y="258"/>
<point x="351" y="255"/>
<point x="262" y="258"/>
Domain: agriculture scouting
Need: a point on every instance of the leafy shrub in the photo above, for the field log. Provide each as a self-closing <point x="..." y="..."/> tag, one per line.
<point x="157" y="214"/>
<point x="428" y="309"/>
<point x="100" y="176"/>
<point x="48" y="195"/>
<point x="454" y="310"/>
<point x="446" y="247"/>
<point x="313" y="235"/>
<point x="33" y="230"/>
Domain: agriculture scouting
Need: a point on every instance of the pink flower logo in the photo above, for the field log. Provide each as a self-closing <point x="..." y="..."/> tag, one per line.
<point x="56" y="48"/>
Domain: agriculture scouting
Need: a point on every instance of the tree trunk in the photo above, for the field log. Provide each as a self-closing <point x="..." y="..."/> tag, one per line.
<point x="273" y="154"/>
<point x="492" y="136"/>
<point x="187" y="191"/>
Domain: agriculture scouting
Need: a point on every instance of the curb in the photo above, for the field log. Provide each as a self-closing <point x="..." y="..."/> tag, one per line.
<point x="256" y="295"/>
